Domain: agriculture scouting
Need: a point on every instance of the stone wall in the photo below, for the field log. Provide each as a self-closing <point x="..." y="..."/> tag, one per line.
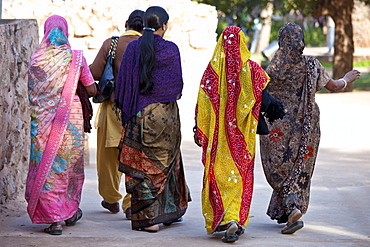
<point x="361" y="23"/>
<point x="18" y="39"/>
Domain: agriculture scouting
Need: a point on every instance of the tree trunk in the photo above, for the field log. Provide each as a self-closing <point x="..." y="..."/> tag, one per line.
<point x="344" y="45"/>
<point x="264" y="38"/>
<point x="341" y="12"/>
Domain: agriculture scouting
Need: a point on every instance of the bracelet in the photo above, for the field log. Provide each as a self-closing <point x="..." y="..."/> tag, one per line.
<point x="345" y="83"/>
<point x="195" y="129"/>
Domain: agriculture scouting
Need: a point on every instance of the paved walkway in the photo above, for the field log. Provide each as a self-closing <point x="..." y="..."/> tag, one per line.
<point x="338" y="214"/>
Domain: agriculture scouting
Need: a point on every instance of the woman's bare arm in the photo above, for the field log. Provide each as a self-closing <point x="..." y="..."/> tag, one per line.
<point x="336" y="85"/>
<point x="91" y="90"/>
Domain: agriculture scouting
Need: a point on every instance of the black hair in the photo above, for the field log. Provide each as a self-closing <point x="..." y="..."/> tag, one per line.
<point x="135" y="20"/>
<point x="154" y="18"/>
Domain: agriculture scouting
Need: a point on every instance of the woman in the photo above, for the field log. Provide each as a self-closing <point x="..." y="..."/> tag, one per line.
<point x="56" y="171"/>
<point x="227" y="113"/>
<point x="149" y="83"/>
<point x="289" y="152"/>
<point x="109" y="128"/>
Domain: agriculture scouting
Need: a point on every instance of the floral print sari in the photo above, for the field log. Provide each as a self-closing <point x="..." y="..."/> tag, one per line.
<point x="56" y="172"/>
<point x="289" y="152"/>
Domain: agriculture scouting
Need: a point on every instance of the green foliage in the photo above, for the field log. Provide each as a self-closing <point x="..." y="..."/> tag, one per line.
<point x="327" y="65"/>
<point x="362" y="84"/>
<point x="242" y="12"/>
<point x="237" y="7"/>
<point x="355" y="64"/>
<point x="221" y="25"/>
<point x="361" y="64"/>
<point x="312" y="36"/>
<point x="306" y="7"/>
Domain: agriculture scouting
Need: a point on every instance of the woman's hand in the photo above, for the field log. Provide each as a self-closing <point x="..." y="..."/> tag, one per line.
<point x="352" y="75"/>
<point x="91" y="90"/>
<point x="336" y="85"/>
<point x="196" y="139"/>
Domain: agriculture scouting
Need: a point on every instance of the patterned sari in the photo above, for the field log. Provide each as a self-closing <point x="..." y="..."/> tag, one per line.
<point x="289" y="152"/>
<point x="227" y="113"/>
<point x="150" y="153"/>
<point x="56" y="172"/>
<point x="151" y="159"/>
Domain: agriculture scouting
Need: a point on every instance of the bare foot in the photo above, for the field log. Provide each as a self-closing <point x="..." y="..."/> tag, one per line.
<point x="152" y="228"/>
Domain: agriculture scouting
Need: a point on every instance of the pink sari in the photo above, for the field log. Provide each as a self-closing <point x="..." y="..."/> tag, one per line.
<point x="56" y="172"/>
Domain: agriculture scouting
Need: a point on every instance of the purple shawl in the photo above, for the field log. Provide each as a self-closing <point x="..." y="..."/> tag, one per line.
<point x="167" y="78"/>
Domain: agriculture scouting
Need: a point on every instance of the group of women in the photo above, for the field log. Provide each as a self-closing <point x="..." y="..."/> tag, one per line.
<point x="148" y="84"/>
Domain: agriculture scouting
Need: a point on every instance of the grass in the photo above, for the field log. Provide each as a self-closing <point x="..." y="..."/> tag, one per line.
<point x="355" y="64"/>
<point x="362" y="84"/>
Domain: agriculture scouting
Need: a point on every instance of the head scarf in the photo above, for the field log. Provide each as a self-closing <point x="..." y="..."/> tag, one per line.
<point x="49" y="67"/>
<point x="55" y="33"/>
<point x="54" y="49"/>
<point x="290" y="53"/>
<point x="230" y="75"/>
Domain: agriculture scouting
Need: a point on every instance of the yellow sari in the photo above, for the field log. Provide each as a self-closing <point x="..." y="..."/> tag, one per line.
<point x="228" y="106"/>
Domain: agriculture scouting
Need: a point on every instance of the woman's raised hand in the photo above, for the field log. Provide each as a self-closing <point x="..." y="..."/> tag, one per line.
<point x="352" y="76"/>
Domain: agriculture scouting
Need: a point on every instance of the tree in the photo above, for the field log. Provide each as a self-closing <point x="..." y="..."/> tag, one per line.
<point x="266" y="16"/>
<point x="339" y="10"/>
<point x="239" y="8"/>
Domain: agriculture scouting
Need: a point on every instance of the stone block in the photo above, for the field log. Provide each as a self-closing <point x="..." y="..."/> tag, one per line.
<point x="22" y="40"/>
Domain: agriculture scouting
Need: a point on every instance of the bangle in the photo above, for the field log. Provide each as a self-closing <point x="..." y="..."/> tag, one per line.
<point x="195" y="129"/>
<point x="345" y="83"/>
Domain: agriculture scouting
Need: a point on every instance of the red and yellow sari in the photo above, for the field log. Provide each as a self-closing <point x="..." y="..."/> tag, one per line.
<point x="227" y="112"/>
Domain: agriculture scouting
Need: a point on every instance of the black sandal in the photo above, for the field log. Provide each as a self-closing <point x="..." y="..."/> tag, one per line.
<point x="294" y="222"/>
<point x="292" y="228"/>
<point x="54" y="229"/>
<point x="240" y="231"/>
<point x="147" y="229"/>
<point x="232" y="233"/>
<point x="73" y="220"/>
<point x="229" y="238"/>
<point x="174" y="221"/>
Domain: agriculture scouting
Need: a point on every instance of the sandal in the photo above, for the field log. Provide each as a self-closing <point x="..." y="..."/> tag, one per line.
<point x="294" y="222"/>
<point x="152" y="229"/>
<point x="240" y="231"/>
<point x="76" y="217"/>
<point x="128" y="213"/>
<point x="54" y="229"/>
<point x="168" y="223"/>
<point x="292" y="228"/>
<point x="231" y="233"/>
